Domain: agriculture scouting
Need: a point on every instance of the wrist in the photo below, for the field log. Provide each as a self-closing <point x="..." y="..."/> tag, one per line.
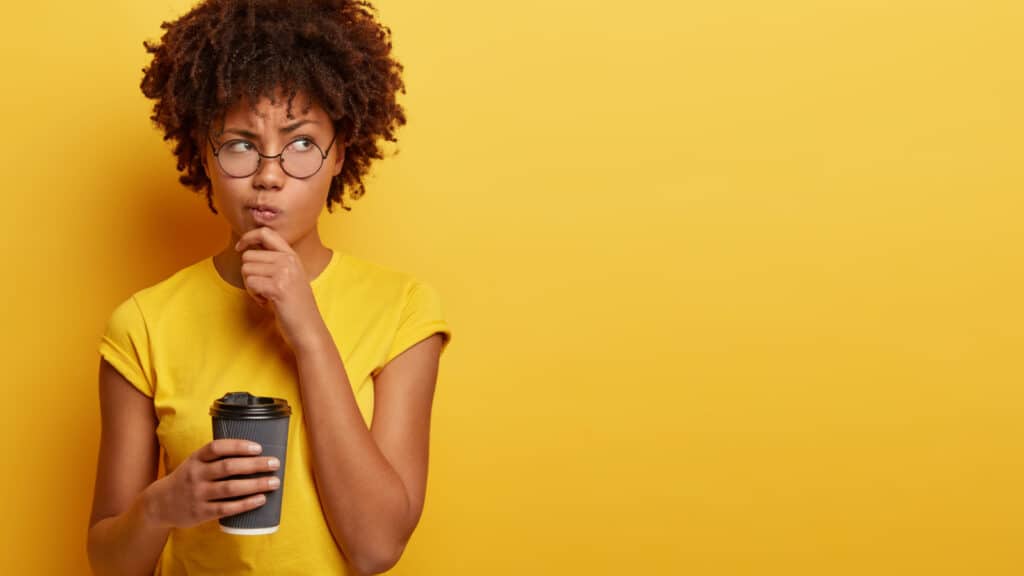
<point x="149" y="509"/>
<point x="313" y="339"/>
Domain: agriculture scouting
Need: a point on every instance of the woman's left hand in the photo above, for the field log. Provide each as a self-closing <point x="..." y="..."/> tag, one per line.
<point x="273" y="274"/>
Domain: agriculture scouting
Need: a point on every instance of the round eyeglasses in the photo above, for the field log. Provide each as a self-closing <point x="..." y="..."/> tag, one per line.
<point x="301" y="158"/>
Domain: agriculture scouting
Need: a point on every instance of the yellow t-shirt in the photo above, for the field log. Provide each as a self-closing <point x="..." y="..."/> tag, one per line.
<point x="193" y="337"/>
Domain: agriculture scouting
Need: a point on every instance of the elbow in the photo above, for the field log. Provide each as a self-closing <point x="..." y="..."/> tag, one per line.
<point x="92" y="552"/>
<point x="95" y="556"/>
<point x="377" y="560"/>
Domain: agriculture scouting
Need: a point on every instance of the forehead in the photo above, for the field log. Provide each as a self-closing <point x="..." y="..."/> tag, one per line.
<point x="273" y="112"/>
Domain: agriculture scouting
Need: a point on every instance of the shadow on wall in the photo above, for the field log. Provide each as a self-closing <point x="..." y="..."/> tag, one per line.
<point x="157" y="225"/>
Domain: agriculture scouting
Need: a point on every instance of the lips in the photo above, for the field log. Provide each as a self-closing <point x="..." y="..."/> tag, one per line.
<point x="263" y="213"/>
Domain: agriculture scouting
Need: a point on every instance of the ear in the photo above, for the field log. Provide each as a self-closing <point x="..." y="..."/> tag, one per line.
<point x="339" y="160"/>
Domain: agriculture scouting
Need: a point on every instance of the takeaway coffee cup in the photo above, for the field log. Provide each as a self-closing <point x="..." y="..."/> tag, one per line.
<point x="265" y="421"/>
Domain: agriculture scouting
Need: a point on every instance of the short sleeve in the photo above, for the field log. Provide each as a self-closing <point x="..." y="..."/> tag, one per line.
<point x="125" y="345"/>
<point x="421" y="317"/>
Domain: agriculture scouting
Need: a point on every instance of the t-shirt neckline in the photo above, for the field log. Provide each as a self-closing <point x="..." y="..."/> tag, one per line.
<point x="336" y="255"/>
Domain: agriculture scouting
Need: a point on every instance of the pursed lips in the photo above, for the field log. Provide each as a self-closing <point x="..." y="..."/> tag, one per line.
<point x="264" y="212"/>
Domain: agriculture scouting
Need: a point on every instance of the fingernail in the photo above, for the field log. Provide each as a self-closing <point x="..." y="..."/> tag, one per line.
<point x="273" y="463"/>
<point x="273" y="482"/>
<point x="255" y="448"/>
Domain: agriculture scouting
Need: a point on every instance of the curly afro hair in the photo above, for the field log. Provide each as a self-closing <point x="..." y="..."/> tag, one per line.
<point x="224" y="51"/>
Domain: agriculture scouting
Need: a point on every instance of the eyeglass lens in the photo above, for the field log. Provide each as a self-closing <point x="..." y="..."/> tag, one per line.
<point x="300" y="159"/>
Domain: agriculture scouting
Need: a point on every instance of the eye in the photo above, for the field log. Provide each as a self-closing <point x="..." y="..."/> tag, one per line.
<point x="302" y="145"/>
<point x="238" y="146"/>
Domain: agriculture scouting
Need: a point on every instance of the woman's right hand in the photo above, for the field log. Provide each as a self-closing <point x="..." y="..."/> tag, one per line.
<point x="188" y="495"/>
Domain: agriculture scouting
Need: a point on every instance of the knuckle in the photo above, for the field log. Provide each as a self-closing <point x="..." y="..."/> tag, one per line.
<point x="216" y="469"/>
<point x="222" y="509"/>
<point x="252" y="487"/>
<point x="229" y="507"/>
<point x="256" y="487"/>
<point x="229" y="467"/>
<point x="201" y="492"/>
<point x="215" y="491"/>
<point x="244" y="488"/>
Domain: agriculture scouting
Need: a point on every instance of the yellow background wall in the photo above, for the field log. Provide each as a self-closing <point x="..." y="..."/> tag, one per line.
<point x="736" y="285"/>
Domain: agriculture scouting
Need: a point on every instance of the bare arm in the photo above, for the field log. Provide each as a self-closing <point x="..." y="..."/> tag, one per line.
<point x="133" y="512"/>
<point x="371" y="482"/>
<point x="121" y="538"/>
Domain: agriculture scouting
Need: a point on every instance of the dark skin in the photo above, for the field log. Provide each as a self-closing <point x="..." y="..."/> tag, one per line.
<point x="336" y="50"/>
<point x="371" y="482"/>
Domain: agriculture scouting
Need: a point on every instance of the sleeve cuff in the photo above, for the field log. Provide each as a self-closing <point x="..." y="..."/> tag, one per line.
<point x="125" y="366"/>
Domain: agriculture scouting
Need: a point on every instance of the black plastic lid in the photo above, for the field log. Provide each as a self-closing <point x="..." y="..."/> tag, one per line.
<point x="245" y="406"/>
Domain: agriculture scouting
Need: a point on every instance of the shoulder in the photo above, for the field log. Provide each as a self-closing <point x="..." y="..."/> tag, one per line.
<point x="406" y="308"/>
<point x="183" y="284"/>
<point x="359" y="268"/>
<point x="397" y="304"/>
<point x="128" y="338"/>
<point x="186" y="277"/>
<point x="376" y="282"/>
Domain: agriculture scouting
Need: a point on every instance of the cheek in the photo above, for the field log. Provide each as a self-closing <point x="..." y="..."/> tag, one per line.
<point x="226" y="197"/>
<point x="320" y="189"/>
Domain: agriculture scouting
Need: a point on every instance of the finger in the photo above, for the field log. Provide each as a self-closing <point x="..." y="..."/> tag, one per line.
<point x="266" y="269"/>
<point x="228" y="467"/>
<point x="224" y="447"/>
<point x="221" y="509"/>
<point x="268" y="238"/>
<point x="232" y="489"/>
<point x="261" y="287"/>
<point x="256" y="255"/>
<point x="249" y="240"/>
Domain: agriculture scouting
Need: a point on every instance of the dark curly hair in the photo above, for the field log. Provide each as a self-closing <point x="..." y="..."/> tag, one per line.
<point x="334" y="51"/>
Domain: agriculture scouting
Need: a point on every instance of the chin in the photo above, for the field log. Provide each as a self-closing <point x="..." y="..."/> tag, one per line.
<point x="249" y="226"/>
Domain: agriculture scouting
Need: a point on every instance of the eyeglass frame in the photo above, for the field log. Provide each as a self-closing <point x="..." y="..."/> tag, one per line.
<point x="323" y="155"/>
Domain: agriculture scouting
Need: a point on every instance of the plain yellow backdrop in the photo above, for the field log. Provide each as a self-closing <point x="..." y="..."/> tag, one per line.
<point x="735" y="285"/>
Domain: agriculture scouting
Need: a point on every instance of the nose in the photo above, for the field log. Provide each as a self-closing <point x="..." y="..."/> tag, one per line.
<point x="269" y="175"/>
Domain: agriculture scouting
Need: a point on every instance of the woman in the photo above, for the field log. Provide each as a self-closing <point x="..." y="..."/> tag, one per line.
<point x="275" y="109"/>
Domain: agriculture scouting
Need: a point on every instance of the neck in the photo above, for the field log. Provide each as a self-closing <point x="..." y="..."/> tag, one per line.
<point x="311" y="251"/>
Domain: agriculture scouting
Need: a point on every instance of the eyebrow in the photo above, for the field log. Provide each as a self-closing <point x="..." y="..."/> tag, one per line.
<point x="284" y="129"/>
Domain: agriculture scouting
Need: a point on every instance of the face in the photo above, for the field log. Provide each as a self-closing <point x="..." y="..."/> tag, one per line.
<point x="278" y="194"/>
